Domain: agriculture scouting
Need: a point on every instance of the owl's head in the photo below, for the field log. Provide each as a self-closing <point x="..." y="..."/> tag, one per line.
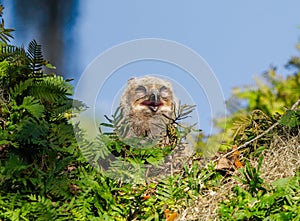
<point x="149" y="96"/>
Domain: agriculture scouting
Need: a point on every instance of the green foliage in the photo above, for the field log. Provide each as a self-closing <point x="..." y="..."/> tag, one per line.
<point x="251" y="178"/>
<point x="35" y="57"/>
<point x="291" y="118"/>
<point x="44" y="175"/>
<point x="248" y="127"/>
<point x="5" y="33"/>
<point x="40" y="163"/>
<point x="131" y="156"/>
<point x="271" y="94"/>
<point x="260" y="202"/>
<point x="253" y="109"/>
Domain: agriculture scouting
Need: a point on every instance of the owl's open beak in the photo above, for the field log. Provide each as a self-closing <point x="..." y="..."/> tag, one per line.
<point x="154" y="102"/>
<point x="154" y="98"/>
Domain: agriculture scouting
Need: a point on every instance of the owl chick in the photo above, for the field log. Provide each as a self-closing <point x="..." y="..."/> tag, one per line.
<point x="147" y="105"/>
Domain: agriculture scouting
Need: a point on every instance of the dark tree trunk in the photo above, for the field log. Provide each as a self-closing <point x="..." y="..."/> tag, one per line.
<point x="50" y="22"/>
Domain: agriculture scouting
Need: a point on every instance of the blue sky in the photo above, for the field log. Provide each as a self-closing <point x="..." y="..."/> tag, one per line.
<point x="238" y="39"/>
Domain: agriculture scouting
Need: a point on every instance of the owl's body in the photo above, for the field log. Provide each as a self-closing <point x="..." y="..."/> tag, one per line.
<point x="147" y="105"/>
<point x="148" y="110"/>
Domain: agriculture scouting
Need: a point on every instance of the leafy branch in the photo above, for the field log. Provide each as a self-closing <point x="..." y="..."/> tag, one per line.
<point x="5" y="33"/>
<point x="295" y="105"/>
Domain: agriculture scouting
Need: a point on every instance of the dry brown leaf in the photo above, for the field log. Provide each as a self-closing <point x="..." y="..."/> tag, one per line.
<point x="236" y="161"/>
<point x="223" y="164"/>
<point x="145" y="197"/>
<point x="170" y="216"/>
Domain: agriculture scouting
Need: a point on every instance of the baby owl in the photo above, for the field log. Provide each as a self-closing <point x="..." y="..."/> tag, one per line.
<point x="147" y="106"/>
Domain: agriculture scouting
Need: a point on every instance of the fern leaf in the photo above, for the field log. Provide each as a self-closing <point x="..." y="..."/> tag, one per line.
<point x="33" y="106"/>
<point x="59" y="82"/>
<point x="95" y="150"/>
<point x="20" y="88"/>
<point x="8" y="49"/>
<point x="5" y="33"/>
<point x="51" y="88"/>
<point x="62" y="108"/>
<point x="3" y="68"/>
<point x="184" y="111"/>
<point x="1" y="10"/>
<point x="66" y="106"/>
<point x="34" y="53"/>
<point x="15" y="55"/>
<point x="31" y="131"/>
<point x="291" y="119"/>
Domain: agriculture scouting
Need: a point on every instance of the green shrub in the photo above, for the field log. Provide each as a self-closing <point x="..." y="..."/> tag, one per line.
<point x="44" y="175"/>
<point x="257" y="201"/>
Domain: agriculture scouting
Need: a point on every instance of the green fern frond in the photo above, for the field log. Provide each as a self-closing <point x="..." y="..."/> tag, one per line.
<point x="167" y="190"/>
<point x="34" y="53"/>
<point x="1" y="10"/>
<point x="21" y="88"/>
<point x="51" y="89"/>
<point x="9" y="49"/>
<point x="42" y="207"/>
<point x="117" y="122"/>
<point x="3" y="69"/>
<point x="184" y="111"/>
<point x="31" y="131"/>
<point x="33" y="106"/>
<point x="16" y="55"/>
<point x="78" y="105"/>
<point x="62" y="108"/>
<point x="291" y="118"/>
<point x="60" y="82"/>
<point x="67" y="106"/>
<point x="5" y="33"/>
<point x="95" y="150"/>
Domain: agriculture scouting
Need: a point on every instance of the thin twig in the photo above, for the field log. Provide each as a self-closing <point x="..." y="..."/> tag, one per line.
<point x="295" y="105"/>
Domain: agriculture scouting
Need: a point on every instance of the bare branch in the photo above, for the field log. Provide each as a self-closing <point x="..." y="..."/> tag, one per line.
<point x="295" y="105"/>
